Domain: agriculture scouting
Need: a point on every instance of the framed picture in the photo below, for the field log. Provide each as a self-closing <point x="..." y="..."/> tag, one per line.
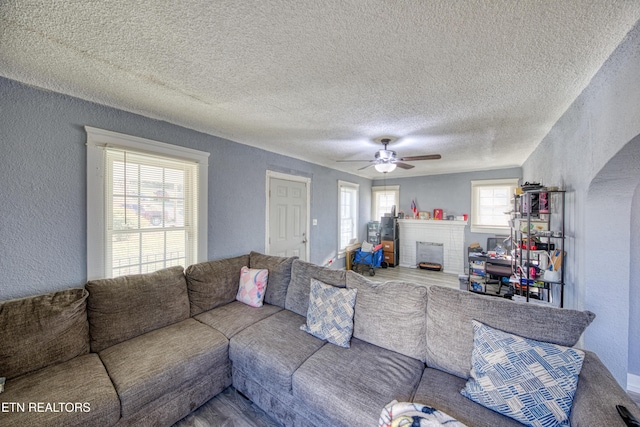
<point x="424" y="215"/>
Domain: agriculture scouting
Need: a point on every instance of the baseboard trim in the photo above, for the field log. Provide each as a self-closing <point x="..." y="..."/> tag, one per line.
<point x="633" y="383"/>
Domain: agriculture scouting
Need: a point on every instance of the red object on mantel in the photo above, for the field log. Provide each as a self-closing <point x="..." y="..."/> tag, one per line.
<point x="437" y="214"/>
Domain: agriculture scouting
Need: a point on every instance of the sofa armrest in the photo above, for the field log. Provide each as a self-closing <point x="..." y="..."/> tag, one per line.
<point x="597" y="395"/>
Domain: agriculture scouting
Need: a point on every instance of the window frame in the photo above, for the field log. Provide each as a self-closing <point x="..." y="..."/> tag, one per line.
<point x="383" y="189"/>
<point x="476" y="186"/>
<point x="98" y="140"/>
<point x="342" y="250"/>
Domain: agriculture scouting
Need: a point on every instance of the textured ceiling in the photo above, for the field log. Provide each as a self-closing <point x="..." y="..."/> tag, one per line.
<point x="479" y="82"/>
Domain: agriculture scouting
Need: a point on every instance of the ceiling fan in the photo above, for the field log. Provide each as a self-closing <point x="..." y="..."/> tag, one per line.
<point x="386" y="160"/>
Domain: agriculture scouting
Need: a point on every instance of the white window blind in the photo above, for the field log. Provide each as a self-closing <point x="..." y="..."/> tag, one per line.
<point x="348" y="230"/>
<point x="490" y="200"/>
<point x="151" y="221"/>
<point x="146" y="210"/>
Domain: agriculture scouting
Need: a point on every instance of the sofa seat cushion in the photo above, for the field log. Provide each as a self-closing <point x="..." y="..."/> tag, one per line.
<point x="213" y="283"/>
<point x="128" y="306"/>
<point x="150" y="365"/>
<point x="441" y="391"/>
<point x="279" y="275"/>
<point x="391" y="315"/>
<point x="271" y="350"/>
<point x="351" y="386"/>
<point x="43" y="330"/>
<point x="301" y="274"/>
<point x="598" y="394"/>
<point x="450" y="331"/>
<point x="235" y="317"/>
<point x="80" y="381"/>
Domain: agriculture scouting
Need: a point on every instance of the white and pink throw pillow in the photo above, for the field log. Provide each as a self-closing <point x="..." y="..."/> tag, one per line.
<point x="253" y="284"/>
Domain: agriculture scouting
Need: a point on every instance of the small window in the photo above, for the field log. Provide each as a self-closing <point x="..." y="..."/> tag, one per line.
<point x="348" y="220"/>
<point x="384" y="198"/>
<point x="491" y="202"/>
<point x="145" y="205"/>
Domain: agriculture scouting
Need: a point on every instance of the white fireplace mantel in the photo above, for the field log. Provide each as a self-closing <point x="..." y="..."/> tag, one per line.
<point x="449" y="233"/>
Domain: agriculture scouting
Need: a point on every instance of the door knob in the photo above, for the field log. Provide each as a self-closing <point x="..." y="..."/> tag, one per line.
<point x="304" y="237"/>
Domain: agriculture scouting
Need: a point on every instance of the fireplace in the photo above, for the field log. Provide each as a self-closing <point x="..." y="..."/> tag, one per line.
<point x="430" y="253"/>
<point x="450" y="234"/>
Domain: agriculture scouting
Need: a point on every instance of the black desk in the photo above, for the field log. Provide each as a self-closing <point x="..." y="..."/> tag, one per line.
<point x="493" y="266"/>
<point x="493" y="260"/>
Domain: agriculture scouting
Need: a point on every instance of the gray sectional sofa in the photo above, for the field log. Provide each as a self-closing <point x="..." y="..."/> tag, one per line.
<point x="146" y="350"/>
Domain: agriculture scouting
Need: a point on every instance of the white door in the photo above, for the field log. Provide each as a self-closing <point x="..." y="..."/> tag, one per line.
<point x="288" y="217"/>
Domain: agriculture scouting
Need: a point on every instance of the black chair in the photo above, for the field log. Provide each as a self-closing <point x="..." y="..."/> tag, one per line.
<point x="497" y="271"/>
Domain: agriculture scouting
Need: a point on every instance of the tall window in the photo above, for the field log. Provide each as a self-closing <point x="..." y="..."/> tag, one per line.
<point x="383" y="199"/>
<point x="348" y="207"/>
<point x="491" y="200"/>
<point x="145" y="205"/>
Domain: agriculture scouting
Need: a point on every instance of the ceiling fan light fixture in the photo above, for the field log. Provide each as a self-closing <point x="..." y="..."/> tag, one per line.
<point x="385" y="155"/>
<point x="385" y="167"/>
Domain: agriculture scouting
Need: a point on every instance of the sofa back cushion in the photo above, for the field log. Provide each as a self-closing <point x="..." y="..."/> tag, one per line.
<point x="214" y="283"/>
<point x="128" y="306"/>
<point x="279" y="275"/>
<point x="450" y="330"/>
<point x="391" y="315"/>
<point x="43" y="330"/>
<point x="301" y="274"/>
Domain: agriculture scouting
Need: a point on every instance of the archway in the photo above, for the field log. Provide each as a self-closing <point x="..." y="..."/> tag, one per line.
<point x="609" y="261"/>
<point x="633" y="382"/>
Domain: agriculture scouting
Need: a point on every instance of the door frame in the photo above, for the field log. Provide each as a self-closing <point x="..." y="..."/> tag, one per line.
<point x="287" y="177"/>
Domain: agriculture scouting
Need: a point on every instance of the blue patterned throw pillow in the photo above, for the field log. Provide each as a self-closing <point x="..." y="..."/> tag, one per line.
<point x="531" y="381"/>
<point x="330" y="313"/>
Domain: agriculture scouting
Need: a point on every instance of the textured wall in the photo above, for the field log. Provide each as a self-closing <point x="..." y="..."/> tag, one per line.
<point x="634" y="289"/>
<point x="43" y="190"/>
<point x="590" y="152"/>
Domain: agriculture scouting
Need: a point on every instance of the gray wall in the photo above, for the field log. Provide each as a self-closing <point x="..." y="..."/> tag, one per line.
<point x="634" y="290"/>
<point x="450" y="192"/>
<point x="43" y="190"/>
<point x="593" y="151"/>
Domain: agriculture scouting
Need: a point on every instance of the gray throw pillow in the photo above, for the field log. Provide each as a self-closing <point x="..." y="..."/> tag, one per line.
<point x="330" y="314"/>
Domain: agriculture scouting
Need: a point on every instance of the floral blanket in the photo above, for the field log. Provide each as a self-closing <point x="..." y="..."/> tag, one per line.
<point x="405" y="414"/>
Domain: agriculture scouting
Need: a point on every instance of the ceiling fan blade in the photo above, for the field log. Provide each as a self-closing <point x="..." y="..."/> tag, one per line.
<point x="425" y="157"/>
<point x="368" y="166"/>
<point x="404" y="165"/>
<point x="344" y="161"/>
